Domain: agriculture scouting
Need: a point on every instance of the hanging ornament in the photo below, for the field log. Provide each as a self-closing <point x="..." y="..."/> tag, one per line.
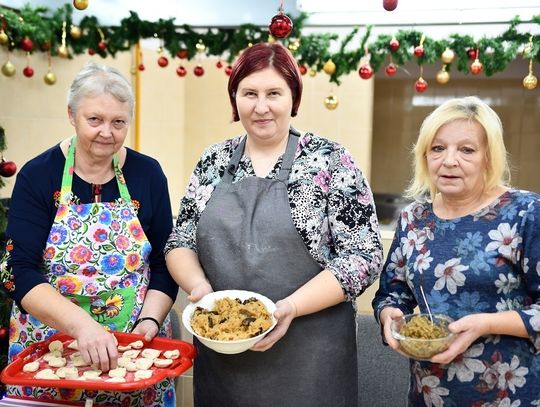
<point x="476" y="67"/>
<point x="91" y="51"/>
<point x="471" y="54"/>
<point x="331" y="102"/>
<point x="198" y="70"/>
<point x="365" y="71"/>
<point x="181" y="71"/>
<point x="530" y="81"/>
<point x="75" y="32"/>
<point x="45" y="46"/>
<point x="163" y="61"/>
<point x="49" y="78"/>
<point x="419" y="50"/>
<point x="393" y="44"/>
<point x="294" y="45"/>
<point x="389" y="5"/>
<point x="4" y="332"/>
<point x="27" y="44"/>
<point x="102" y="44"/>
<point x="421" y="85"/>
<point x="80" y="4"/>
<point x="182" y="54"/>
<point x="141" y="67"/>
<point x="200" y="47"/>
<point x="329" y="67"/>
<point x="62" y="49"/>
<point x="28" y="71"/>
<point x="8" y="69"/>
<point x="303" y="69"/>
<point x="219" y="64"/>
<point x="3" y="37"/>
<point x="312" y="72"/>
<point x="447" y="56"/>
<point x="7" y="168"/>
<point x="228" y="70"/>
<point x="390" y="69"/>
<point x="281" y="25"/>
<point x="442" y="76"/>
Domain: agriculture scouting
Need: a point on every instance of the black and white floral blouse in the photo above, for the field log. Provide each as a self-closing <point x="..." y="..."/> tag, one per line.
<point x="331" y="205"/>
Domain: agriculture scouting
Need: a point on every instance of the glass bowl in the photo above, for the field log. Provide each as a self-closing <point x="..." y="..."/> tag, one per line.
<point x="414" y="344"/>
<point x="234" y="346"/>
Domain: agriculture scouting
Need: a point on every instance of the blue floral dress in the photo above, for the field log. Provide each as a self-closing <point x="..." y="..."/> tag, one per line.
<point x="485" y="262"/>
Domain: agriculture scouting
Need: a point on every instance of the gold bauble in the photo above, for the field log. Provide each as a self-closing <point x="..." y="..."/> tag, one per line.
<point x="312" y="72"/>
<point x="442" y="76"/>
<point x="75" y="32"/>
<point x="49" y="78"/>
<point x="530" y="82"/>
<point x="200" y="47"/>
<point x="63" y="51"/>
<point x="447" y="56"/>
<point x="80" y="4"/>
<point x="8" y="69"/>
<point x="331" y="102"/>
<point x="3" y="37"/>
<point x="329" y="67"/>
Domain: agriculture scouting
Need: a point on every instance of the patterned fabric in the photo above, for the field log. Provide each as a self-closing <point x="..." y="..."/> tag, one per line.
<point x="96" y="255"/>
<point x="331" y="206"/>
<point x="485" y="262"/>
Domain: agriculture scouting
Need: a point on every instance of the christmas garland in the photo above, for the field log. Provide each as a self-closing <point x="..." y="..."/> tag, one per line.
<point x="34" y="29"/>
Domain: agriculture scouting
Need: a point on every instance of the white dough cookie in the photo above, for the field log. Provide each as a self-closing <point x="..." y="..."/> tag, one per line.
<point x="118" y="372"/>
<point x="73" y="345"/>
<point x="56" y="346"/>
<point x="46" y="374"/>
<point x="137" y="344"/>
<point x="172" y="354"/>
<point x="162" y="362"/>
<point x="67" y="373"/>
<point x="53" y="354"/>
<point x="131" y="367"/>
<point x="31" y="367"/>
<point x="123" y="348"/>
<point x="150" y="353"/>
<point x="122" y="361"/>
<point x="116" y="380"/>
<point x="57" y="362"/>
<point x="143" y="374"/>
<point x="144" y="363"/>
<point x="132" y="354"/>
<point x="92" y="374"/>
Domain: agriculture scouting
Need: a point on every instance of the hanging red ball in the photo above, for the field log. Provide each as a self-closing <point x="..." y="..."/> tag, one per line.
<point x="45" y="46"/>
<point x="198" y="70"/>
<point x="421" y="85"/>
<point x="219" y="64"/>
<point x="228" y="70"/>
<point x="280" y="26"/>
<point x="28" y="72"/>
<point x="4" y="333"/>
<point x="418" y="51"/>
<point x="141" y="67"/>
<point x="390" y="69"/>
<point x="102" y="45"/>
<point x="365" y="71"/>
<point x="27" y="44"/>
<point x="182" y="54"/>
<point x="163" y="61"/>
<point x="91" y="51"/>
<point x="471" y="54"/>
<point x="181" y="71"/>
<point x="303" y="69"/>
<point x="476" y="67"/>
<point x="389" y="5"/>
<point x="7" y="168"/>
<point x="393" y="44"/>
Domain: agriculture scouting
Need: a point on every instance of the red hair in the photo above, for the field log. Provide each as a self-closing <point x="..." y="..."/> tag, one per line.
<point x="261" y="56"/>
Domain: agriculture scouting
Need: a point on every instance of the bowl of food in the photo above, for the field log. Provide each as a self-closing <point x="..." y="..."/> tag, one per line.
<point x="230" y="321"/>
<point x="421" y="338"/>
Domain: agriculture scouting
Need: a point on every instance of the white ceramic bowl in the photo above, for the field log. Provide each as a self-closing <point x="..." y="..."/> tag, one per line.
<point x="229" y="347"/>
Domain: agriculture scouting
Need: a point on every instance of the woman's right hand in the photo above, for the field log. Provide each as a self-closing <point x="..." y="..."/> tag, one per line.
<point x="386" y="317"/>
<point x="199" y="291"/>
<point x="97" y="346"/>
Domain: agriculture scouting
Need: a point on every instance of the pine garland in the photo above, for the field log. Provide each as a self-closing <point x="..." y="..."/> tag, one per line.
<point x="44" y="28"/>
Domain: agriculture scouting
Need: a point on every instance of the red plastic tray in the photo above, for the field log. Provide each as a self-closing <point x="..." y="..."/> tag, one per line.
<point x="13" y="374"/>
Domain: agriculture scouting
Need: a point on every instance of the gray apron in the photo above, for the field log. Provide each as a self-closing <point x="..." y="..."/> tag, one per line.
<point x="247" y="240"/>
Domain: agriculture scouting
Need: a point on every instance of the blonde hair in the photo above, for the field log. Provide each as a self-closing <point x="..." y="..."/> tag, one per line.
<point x="468" y="108"/>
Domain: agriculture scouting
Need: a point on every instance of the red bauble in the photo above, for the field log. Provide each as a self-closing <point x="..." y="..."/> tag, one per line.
<point x="228" y="70"/>
<point x="198" y="70"/>
<point x="27" y="44"/>
<point x="7" y="168"/>
<point x="393" y="44"/>
<point x="419" y="51"/>
<point x="102" y="45"/>
<point x="219" y="64"/>
<point x="390" y="69"/>
<point x="476" y="67"/>
<point x="163" y="62"/>
<point x="141" y="67"/>
<point x="182" y="54"/>
<point x="421" y="85"/>
<point x="302" y="69"/>
<point x="91" y="51"/>
<point x="365" y="71"/>
<point x="280" y="26"/>
<point x="389" y="5"/>
<point x="4" y="333"/>
<point x="28" y="72"/>
<point x="471" y="54"/>
<point x="46" y="46"/>
<point x="181" y="71"/>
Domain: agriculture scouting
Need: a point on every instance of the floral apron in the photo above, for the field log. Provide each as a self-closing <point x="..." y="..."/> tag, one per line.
<point x="97" y="256"/>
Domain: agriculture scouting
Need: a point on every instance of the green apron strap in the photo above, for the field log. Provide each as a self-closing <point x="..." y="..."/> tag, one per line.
<point x="67" y="177"/>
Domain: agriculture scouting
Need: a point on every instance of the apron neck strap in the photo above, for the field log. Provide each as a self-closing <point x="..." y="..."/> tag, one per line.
<point x="67" y="177"/>
<point x="286" y="165"/>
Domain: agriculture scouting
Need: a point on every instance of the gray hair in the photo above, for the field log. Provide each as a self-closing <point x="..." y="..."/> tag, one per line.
<point x="94" y="80"/>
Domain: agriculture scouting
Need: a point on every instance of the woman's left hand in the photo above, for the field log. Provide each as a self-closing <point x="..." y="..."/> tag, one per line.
<point x="147" y="328"/>
<point x="285" y="313"/>
<point x="467" y="330"/>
